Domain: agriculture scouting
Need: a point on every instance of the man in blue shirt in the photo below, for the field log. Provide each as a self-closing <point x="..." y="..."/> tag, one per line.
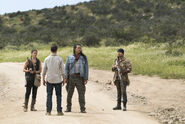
<point x="76" y="74"/>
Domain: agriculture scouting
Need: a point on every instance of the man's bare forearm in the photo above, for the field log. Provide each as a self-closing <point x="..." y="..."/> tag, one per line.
<point x="43" y="77"/>
<point x="63" y="76"/>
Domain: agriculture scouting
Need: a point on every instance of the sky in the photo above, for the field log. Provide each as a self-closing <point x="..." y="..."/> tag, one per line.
<point x="8" y="6"/>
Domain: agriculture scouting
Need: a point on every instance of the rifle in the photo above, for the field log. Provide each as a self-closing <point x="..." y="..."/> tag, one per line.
<point x="119" y="72"/>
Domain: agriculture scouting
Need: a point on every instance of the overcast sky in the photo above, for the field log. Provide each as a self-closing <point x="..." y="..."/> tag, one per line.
<point x="8" y="6"/>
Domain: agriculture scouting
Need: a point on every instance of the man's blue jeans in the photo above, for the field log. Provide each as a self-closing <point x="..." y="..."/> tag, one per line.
<point x="58" y="89"/>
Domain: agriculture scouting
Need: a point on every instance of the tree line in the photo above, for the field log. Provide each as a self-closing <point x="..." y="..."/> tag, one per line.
<point x="111" y="22"/>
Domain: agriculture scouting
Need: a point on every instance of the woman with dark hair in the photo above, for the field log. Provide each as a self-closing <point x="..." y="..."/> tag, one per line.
<point x="76" y="74"/>
<point x="32" y="67"/>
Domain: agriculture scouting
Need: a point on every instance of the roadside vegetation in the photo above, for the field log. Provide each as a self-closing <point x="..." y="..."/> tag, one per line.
<point x="147" y="59"/>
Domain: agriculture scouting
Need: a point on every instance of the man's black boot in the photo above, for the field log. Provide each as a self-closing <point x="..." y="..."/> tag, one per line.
<point x="118" y="107"/>
<point x="68" y="110"/>
<point x="124" y="106"/>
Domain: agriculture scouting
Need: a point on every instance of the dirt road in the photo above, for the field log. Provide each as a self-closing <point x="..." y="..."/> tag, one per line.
<point x="98" y="97"/>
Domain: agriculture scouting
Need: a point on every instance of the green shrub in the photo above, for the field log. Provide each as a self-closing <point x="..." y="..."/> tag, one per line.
<point x="178" y="43"/>
<point x="33" y="45"/>
<point x="10" y="47"/>
<point x="177" y="53"/>
<point x="171" y="52"/>
<point x="111" y="42"/>
<point x="91" y="40"/>
<point x="2" y="44"/>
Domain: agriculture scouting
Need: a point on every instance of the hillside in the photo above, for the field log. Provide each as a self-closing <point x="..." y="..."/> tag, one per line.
<point x="99" y="22"/>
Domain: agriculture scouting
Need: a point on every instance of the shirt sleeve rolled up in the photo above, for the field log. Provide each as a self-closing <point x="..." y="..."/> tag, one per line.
<point x="44" y="70"/>
<point x="62" y="68"/>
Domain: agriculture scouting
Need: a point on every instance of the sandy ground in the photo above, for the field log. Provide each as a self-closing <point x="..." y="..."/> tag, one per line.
<point x="145" y="94"/>
<point x="154" y="90"/>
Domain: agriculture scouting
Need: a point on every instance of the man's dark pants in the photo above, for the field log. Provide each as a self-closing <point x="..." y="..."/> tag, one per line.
<point x="76" y="81"/>
<point x="58" y="89"/>
<point x="121" y="92"/>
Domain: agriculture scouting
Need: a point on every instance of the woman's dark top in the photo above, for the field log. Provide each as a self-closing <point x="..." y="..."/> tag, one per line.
<point x="30" y="78"/>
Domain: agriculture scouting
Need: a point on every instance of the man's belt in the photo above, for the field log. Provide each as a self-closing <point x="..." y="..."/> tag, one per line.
<point x="76" y="74"/>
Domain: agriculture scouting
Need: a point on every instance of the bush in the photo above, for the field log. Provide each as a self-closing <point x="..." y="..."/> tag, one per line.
<point x="91" y="40"/>
<point x="30" y="46"/>
<point x="122" y="41"/>
<point x="178" y="43"/>
<point x="111" y="42"/>
<point x="177" y="53"/>
<point x="10" y="47"/>
<point x="2" y="44"/>
<point x="171" y="52"/>
<point x="63" y="43"/>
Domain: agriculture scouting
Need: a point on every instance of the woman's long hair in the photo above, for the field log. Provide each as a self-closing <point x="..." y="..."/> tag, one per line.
<point x="81" y="53"/>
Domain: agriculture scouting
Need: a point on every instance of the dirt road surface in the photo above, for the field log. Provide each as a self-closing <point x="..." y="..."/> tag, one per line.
<point x="100" y="98"/>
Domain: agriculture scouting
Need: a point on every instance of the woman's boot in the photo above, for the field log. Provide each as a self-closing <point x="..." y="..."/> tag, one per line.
<point x="33" y="105"/>
<point x="25" y="105"/>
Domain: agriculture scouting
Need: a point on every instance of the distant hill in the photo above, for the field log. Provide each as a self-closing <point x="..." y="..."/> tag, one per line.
<point x="107" y="22"/>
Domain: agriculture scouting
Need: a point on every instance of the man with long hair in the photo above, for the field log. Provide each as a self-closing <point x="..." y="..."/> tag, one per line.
<point x="76" y="74"/>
